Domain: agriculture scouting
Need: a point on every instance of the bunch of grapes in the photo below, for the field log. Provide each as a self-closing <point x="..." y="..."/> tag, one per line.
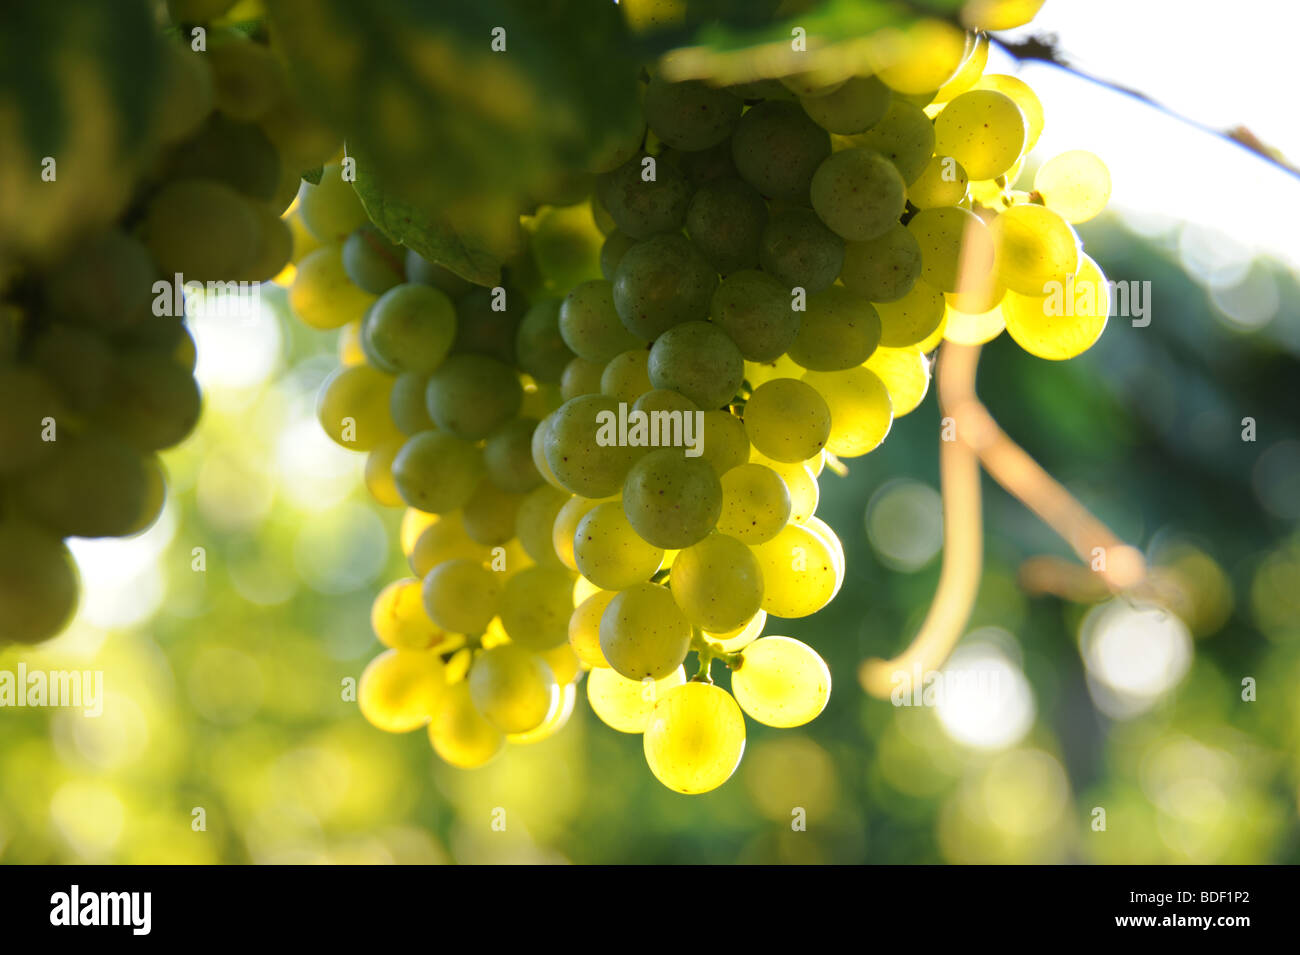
<point x="96" y="364"/>
<point x="770" y="264"/>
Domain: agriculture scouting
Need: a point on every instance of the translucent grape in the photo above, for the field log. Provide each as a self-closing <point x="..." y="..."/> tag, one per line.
<point x="1023" y="96"/>
<point x="905" y="373"/>
<point x="882" y="269"/>
<point x="672" y="500"/>
<point x="459" y="733"/>
<point x="777" y="148"/>
<point x="1000" y="14"/>
<point x="1036" y="249"/>
<point x="1075" y="184"/>
<point x="858" y="194"/>
<point x="968" y="74"/>
<point x="609" y="552"/>
<point x="330" y="210"/>
<point x="840" y="329"/>
<point x="799" y="251"/>
<point x="322" y="296"/>
<point x="972" y="328"/>
<point x="626" y="376"/>
<point x="695" y="738"/>
<point x="725" y="221"/>
<point x="643" y="633"/>
<point x="755" y="503"/>
<point x="690" y="115"/>
<point x="860" y="409"/>
<point x="799" y="575"/>
<point x="589" y="323"/>
<point x="742" y="636"/>
<point x="576" y="456"/>
<point x="539" y="345"/>
<point x="717" y="583"/>
<point x="584" y="629"/>
<point x="926" y="54"/>
<point x="444" y="540"/>
<point x="580" y="377"/>
<point x="38" y="583"/>
<point x="984" y="130"/>
<point x="565" y="527"/>
<point x="437" y="472"/>
<point x="1065" y="324"/>
<point x="624" y="704"/>
<point x="755" y="310"/>
<point x="781" y="682"/>
<point x="462" y="596"/>
<point x="725" y="444"/>
<point x="912" y="318"/>
<point x="471" y="396"/>
<point x="566" y="243"/>
<point x="956" y="249"/>
<point x="905" y="136"/>
<point x="379" y="472"/>
<point x="399" y="619"/>
<point x="800" y="482"/>
<point x="787" y="420"/>
<point x="513" y="688"/>
<point x="698" y="360"/>
<point x="663" y="282"/>
<point x="943" y="182"/>
<point x="399" y="690"/>
<point x="536" y="605"/>
<point x="856" y="106"/>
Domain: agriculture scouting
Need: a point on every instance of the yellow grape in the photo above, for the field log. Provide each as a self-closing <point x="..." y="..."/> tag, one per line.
<point x="536" y="605"/>
<point x="999" y="14"/>
<point x="756" y="373"/>
<point x="584" y="628"/>
<point x="643" y="633"/>
<point x="717" y="583"/>
<point x="781" y="682"/>
<point x="624" y="704"/>
<point x="555" y="721"/>
<point x="567" y="519"/>
<point x="399" y="619"/>
<point x="725" y="443"/>
<point x="800" y="482"/>
<point x="799" y="572"/>
<point x="1035" y="247"/>
<point x="513" y="688"/>
<point x="922" y="57"/>
<point x="564" y="663"/>
<point x="353" y="407"/>
<point x="741" y="636"/>
<point x="1075" y="184"/>
<point x="860" y="407"/>
<point x="755" y="503"/>
<point x="462" y="595"/>
<point x="1062" y="324"/>
<point x="1023" y="96"/>
<point x="943" y="182"/>
<point x="956" y="249"/>
<point x="982" y="129"/>
<point x="832" y="540"/>
<point x="379" y="473"/>
<point x="906" y="374"/>
<point x="911" y="319"/>
<point x="966" y="328"/>
<point x="414" y="523"/>
<point x="695" y="738"/>
<point x="609" y="552"/>
<point x="787" y="420"/>
<point x="443" y="541"/>
<point x="349" y="347"/>
<point x="322" y="295"/>
<point x="972" y="67"/>
<point x="459" y="733"/>
<point x="536" y="520"/>
<point x="400" y="689"/>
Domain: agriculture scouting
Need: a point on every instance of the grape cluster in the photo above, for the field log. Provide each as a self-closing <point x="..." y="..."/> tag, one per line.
<point x="769" y="264"/>
<point x="96" y="363"/>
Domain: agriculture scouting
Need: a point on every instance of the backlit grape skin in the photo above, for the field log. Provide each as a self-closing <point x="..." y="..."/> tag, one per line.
<point x="695" y="738"/>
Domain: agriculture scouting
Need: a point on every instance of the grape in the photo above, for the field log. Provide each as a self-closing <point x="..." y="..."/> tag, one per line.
<point x="1036" y="249"/>
<point x="912" y="319"/>
<point x="91" y="486"/>
<point x="690" y="115"/>
<point x="1061" y="326"/>
<point x="444" y="540"/>
<point x="956" y="249"/>
<point x="695" y="738"/>
<point x="642" y="206"/>
<point x="741" y="636"/>
<point x="943" y="182"/>
<point x="609" y="552"/>
<point x="1024" y="97"/>
<point x="407" y="404"/>
<point x="972" y="328"/>
<point x="590" y="325"/>
<point x="861" y="410"/>
<point x="724" y="443"/>
<point x="800" y="482"/>
<point x="822" y="80"/>
<point x="904" y="136"/>
<point x="923" y="56"/>
<point x="781" y="682"/>
<point x="983" y="130"/>
<point x="437" y="472"/>
<point x="462" y="596"/>
<point x="155" y="495"/>
<point x="536" y="606"/>
<point x="823" y="530"/>
<point x="508" y="456"/>
<point x="624" y="704"/>
<point x="379" y="472"/>
<point x="853" y="108"/>
<point x="799" y="575"/>
<point x="237" y="154"/>
<point x="564" y="664"/>
<point x="26" y="401"/>
<point x="858" y="194"/>
<point x="755" y="311"/>
<point x="882" y="269"/>
<point x="459" y="733"/>
<point x="539" y="345"/>
<point x="489" y="514"/>
<point x="330" y="210"/>
<point x="776" y="149"/>
<point x="38" y="583"/>
<point x="840" y="329"/>
<point x="399" y="619"/>
<point x="787" y="420"/>
<point x="420" y="269"/>
<point x="512" y="688"/>
<point x="482" y="330"/>
<point x="567" y="519"/>
<point x="411" y="328"/>
<point x="664" y="399"/>
<point x="471" y="395"/>
<point x="247" y="78"/>
<point x="725" y="221"/>
<point x="643" y="634"/>
<point x="660" y="283"/>
<point x="535" y="521"/>
<point x="566" y="243"/>
<point x="217" y="250"/>
<point x="188" y="94"/>
<point x="574" y="452"/>
<point x="611" y="253"/>
<point x="717" y="583"/>
<point x="755" y="503"/>
<point x="626" y="376"/>
<point x="706" y="165"/>
<point x="581" y="377"/>
<point x="322" y="296"/>
<point x="1075" y="185"/>
<point x="698" y="360"/>
<point x="671" y="500"/>
<point x="905" y="373"/>
<point x="353" y="407"/>
<point x="372" y="262"/>
<point x="1000" y="14"/>
<point x="584" y="629"/>
<point x="800" y="252"/>
<point x="399" y="690"/>
<point x="274" y="247"/>
<point x="977" y="57"/>
<point x="104" y="281"/>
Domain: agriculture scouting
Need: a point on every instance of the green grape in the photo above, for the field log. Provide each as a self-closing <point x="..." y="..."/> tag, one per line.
<point x="322" y="296"/>
<point x="924" y="55"/>
<point x="977" y="56"/>
<point x="581" y="377"/>
<point x="724" y="444"/>
<point x="1036" y="250"/>
<point x="1075" y="185"/>
<point x="609" y="552"/>
<point x="471" y="395"/>
<point x="840" y="329"/>
<point x="38" y="583"/>
<point x="695" y="738"/>
<point x="755" y="503"/>
<point x="28" y="405"/>
<point x="671" y="500"/>
<point x="187" y="92"/>
<point x="690" y="115"/>
<point x="437" y="472"/>
<point x="1058" y="327"/>
<point x="561" y="710"/>
<point x="489" y="514"/>
<point x="539" y="454"/>
<point x="645" y="197"/>
<point x="590" y="324"/>
<point x="399" y="690"/>
<point x="513" y="689"/>
<point x="155" y="495"/>
<point x="274" y="247"/>
<point x="372" y="262"/>
<point x="799" y="573"/>
<point x="882" y="269"/>
<point x="956" y="249"/>
<point x="407" y="405"/>
<point x="717" y="583"/>
<point x="379" y="472"/>
<point x="330" y="210"/>
<point x="626" y="376"/>
<point x="725" y="221"/>
<point x="943" y="182"/>
<point x="539" y="345"/>
<point x="104" y="282"/>
<point x="861" y="411"/>
<point x="756" y="312"/>
<point x="1024" y="97"/>
<point x="905" y="373"/>
<point x="566" y="526"/>
<point x="913" y="318"/>
<point x="983" y="130"/>
<point x="698" y="360"/>
<point x="660" y="283"/>
<point x="219" y="249"/>
<point x="574" y="450"/>
<point x="741" y="636"/>
<point x="399" y="619"/>
<point x="973" y="328"/>
<point x="566" y="243"/>
<point x="353" y="407"/>
<point x="664" y="399"/>
<point x="800" y="482"/>
<point x="487" y="324"/>
<point x="853" y="108"/>
<point x="584" y="629"/>
<point x="458" y="732"/>
<point x="781" y="682"/>
<point x="822" y="79"/>
<point x="91" y="486"/>
<point x="828" y="536"/>
<point x="787" y="420"/>
<point x="411" y="328"/>
<point x="706" y="165"/>
<point x="535" y="521"/>
<point x="462" y="596"/>
<point x="800" y="252"/>
<point x="624" y="704"/>
<point x="776" y="149"/>
<point x="443" y="540"/>
<point x="536" y="606"/>
<point x="247" y="78"/>
<point x="619" y="141"/>
<point x="858" y="194"/>
<point x="611" y="253"/>
<point x="905" y="136"/>
<point x="420" y="269"/>
<point x="508" y="456"/>
<point x="235" y="153"/>
<point x="643" y="633"/>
